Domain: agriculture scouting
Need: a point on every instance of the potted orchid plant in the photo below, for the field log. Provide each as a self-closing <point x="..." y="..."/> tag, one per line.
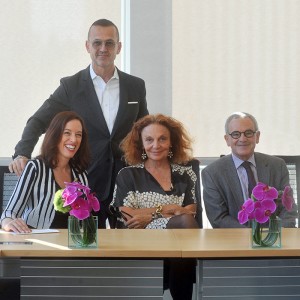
<point x="77" y="200"/>
<point x="263" y="209"/>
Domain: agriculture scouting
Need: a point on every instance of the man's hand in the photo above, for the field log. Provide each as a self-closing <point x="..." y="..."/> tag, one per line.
<point x="18" y="164"/>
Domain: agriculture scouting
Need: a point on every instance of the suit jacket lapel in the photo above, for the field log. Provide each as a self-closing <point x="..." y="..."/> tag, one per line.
<point x="123" y="101"/>
<point x="234" y="182"/>
<point x="263" y="170"/>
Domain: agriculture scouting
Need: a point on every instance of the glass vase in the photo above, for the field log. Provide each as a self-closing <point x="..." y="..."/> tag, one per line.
<point x="82" y="233"/>
<point x="267" y="234"/>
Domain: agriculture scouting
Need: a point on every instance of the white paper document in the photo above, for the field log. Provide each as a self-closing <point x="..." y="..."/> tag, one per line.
<point x="33" y="231"/>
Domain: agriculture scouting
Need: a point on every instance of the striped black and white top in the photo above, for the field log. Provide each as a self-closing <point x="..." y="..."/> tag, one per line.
<point x="32" y="198"/>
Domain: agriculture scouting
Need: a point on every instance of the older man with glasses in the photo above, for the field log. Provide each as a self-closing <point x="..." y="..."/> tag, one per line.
<point x="229" y="181"/>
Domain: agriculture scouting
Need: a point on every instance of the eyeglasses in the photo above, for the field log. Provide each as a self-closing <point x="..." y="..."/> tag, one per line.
<point x="109" y="44"/>
<point x="237" y="134"/>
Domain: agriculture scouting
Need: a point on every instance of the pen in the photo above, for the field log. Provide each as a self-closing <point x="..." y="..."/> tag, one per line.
<point x="15" y="242"/>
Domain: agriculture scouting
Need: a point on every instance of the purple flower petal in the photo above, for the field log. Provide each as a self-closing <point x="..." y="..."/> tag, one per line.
<point x="264" y="210"/>
<point x="80" y="209"/>
<point x="260" y="216"/>
<point x="264" y="192"/>
<point x="247" y="208"/>
<point x="287" y="198"/>
<point x="79" y="199"/>
<point x="243" y="217"/>
<point x="93" y="202"/>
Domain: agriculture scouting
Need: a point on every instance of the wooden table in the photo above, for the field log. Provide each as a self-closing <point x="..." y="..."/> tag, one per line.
<point x="133" y="260"/>
<point x="126" y="264"/>
<point x="230" y="269"/>
<point x="233" y="243"/>
<point x="117" y="243"/>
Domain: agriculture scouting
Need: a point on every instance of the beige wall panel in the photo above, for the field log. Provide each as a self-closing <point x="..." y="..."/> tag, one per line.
<point x="41" y="41"/>
<point x="237" y="55"/>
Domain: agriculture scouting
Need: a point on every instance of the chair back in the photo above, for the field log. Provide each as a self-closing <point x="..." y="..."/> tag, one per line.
<point x="8" y="182"/>
<point x="293" y="165"/>
<point x="195" y="164"/>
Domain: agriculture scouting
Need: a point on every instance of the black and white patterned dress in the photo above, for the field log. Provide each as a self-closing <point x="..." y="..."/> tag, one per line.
<point x="137" y="188"/>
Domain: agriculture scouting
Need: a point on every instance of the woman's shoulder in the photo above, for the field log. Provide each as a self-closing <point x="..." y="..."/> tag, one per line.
<point x="35" y="167"/>
<point x="35" y="163"/>
<point x="184" y="170"/>
<point x="181" y="168"/>
<point x="131" y="170"/>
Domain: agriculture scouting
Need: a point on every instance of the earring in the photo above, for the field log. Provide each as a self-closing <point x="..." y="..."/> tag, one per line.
<point x="144" y="155"/>
<point x="170" y="154"/>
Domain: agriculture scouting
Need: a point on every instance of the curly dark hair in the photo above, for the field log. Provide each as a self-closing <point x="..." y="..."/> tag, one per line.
<point x="132" y="144"/>
<point x="49" y="149"/>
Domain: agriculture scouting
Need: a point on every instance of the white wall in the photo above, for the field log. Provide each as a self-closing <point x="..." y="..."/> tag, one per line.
<point x="237" y="55"/>
<point x="41" y="41"/>
<point x="225" y="56"/>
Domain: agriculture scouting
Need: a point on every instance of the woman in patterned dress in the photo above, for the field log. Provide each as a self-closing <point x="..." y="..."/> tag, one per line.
<point x="157" y="189"/>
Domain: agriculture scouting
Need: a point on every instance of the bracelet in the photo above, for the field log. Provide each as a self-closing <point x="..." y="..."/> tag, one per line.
<point x="158" y="209"/>
<point x="157" y="214"/>
<point x="154" y="216"/>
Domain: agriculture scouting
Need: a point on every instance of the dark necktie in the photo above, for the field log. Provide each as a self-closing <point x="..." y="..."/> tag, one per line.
<point x="251" y="179"/>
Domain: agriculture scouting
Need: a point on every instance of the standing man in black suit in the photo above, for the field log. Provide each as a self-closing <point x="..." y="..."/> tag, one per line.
<point x="108" y="100"/>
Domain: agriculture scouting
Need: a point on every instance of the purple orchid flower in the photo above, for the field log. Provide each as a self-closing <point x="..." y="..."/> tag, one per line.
<point x="70" y="194"/>
<point x="264" y="192"/>
<point x="287" y="198"/>
<point x="93" y="202"/>
<point x="263" y="210"/>
<point x="80" y="209"/>
<point x="246" y="212"/>
<point x="79" y="200"/>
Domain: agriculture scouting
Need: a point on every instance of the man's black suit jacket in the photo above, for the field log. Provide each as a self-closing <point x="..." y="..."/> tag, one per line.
<point x="77" y="93"/>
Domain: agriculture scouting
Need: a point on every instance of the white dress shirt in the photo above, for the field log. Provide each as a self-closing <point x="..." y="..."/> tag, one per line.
<point x="108" y="95"/>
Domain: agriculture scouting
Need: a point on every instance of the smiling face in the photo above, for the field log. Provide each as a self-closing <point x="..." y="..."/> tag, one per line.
<point x="70" y="140"/>
<point x="103" y="46"/>
<point x="156" y="142"/>
<point x="242" y="147"/>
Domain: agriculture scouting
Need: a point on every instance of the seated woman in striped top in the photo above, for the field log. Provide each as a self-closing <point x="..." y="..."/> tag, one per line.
<point x="64" y="157"/>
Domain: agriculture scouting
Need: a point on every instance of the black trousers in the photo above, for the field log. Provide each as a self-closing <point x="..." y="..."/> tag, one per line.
<point x="10" y="288"/>
<point x="179" y="277"/>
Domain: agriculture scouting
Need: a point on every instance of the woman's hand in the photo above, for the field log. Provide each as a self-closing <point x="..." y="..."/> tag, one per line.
<point x="171" y="210"/>
<point x="15" y="225"/>
<point x="139" y="221"/>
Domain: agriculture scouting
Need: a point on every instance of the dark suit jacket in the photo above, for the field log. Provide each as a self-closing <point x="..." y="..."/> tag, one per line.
<point x="77" y="93"/>
<point x="222" y="191"/>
